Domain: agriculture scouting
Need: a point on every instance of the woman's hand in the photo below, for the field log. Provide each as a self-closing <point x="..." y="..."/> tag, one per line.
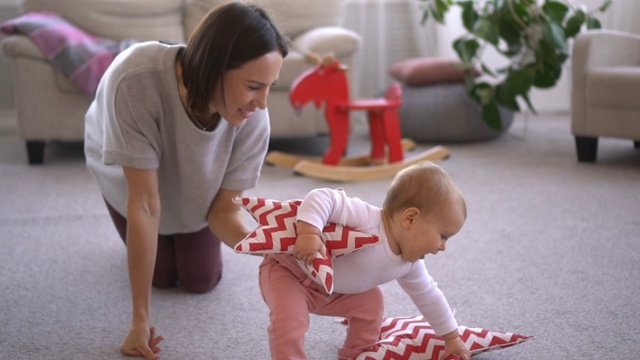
<point x="141" y="341"/>
<point x="226" y="218"/>
<point x="143" y="218"/>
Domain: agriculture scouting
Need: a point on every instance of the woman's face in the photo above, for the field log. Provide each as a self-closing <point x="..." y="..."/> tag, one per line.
<point x="246" y="88"/>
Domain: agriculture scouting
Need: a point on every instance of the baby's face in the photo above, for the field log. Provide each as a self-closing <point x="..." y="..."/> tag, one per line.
<point x="429" y="232"/>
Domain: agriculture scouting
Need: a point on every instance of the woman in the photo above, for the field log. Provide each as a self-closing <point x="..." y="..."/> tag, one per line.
<point x="174" y="134"/>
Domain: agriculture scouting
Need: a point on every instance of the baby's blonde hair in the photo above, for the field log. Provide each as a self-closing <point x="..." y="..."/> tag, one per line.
<point x="425" y="186"/>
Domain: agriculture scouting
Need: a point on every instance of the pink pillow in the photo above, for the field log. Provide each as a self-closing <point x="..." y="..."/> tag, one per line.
<point x="412" y="338"/>
<point x="428" y="70"/>
<point x="276" y="233"/>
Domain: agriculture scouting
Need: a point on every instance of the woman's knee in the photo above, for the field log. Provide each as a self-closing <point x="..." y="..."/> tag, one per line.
<point x="164" y="282"/>
<point x="201" y="283"/>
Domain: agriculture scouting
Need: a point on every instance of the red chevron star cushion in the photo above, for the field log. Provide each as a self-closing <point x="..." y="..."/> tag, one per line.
<point x="412" y="338"/>
<point x="276" y="233"/>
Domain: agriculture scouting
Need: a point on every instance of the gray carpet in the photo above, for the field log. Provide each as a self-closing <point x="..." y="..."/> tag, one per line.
<point x="551" y="248"/>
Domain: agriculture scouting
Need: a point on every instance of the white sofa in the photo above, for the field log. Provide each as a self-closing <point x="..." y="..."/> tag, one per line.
<point x="49" y="108"/>
<point x="605" y="94"/>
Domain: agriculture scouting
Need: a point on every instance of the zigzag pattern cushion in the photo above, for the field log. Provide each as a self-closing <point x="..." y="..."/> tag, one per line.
<point x="412" y="338"/>
<point x="277" y="232"/>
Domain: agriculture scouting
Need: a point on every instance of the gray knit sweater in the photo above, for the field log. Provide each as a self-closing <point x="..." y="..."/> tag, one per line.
<point x="137" y="120"/>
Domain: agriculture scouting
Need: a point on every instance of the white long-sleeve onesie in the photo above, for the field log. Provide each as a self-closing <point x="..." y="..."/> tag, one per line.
<point x="375" y="265"/>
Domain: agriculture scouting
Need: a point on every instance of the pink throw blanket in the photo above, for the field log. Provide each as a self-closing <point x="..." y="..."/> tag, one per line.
<point x="81" y="57"/>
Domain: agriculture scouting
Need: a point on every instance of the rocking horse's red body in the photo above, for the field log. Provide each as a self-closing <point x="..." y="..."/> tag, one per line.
<point x="327" y="82"/>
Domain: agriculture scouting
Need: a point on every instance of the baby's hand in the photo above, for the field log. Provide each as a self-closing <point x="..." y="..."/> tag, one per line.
<point x="307" y="247"/>
<point x="454" y="348"/>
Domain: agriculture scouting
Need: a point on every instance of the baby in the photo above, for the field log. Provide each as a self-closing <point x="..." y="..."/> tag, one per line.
<point x="422" y="210"/>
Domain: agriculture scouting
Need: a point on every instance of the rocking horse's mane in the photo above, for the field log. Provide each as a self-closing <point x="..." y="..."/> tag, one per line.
<point x="326" y="82"/>
<point x="327" y="59"/>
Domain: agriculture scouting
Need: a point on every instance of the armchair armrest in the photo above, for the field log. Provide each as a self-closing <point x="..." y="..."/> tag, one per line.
<point x="603" y="48"/>
<point x="598" y="49"/>
<point x="339" y="41"/>
<point x="21" y="46"/>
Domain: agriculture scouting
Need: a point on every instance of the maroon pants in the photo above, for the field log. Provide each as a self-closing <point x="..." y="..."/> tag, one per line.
<point x="191" y="260"/>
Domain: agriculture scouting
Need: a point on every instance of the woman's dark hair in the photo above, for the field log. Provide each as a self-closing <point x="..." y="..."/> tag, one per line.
<point x="229" y="36"/>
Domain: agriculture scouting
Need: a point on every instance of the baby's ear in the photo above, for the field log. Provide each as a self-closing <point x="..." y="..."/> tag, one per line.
<point x="409" y="215"/>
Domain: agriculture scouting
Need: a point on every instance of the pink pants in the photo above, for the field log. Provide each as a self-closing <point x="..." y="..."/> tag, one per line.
<point x="291" y="295"/>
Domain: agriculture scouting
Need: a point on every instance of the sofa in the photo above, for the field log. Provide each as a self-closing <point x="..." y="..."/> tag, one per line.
<point x="49" y="108"/>
<point x="605" y="89"/>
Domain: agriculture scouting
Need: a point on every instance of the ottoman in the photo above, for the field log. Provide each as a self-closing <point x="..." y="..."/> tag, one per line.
<point x="444" y="113"/>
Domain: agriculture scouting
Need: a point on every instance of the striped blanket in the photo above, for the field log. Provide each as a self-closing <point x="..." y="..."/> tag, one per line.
<point x="81" y="57"/>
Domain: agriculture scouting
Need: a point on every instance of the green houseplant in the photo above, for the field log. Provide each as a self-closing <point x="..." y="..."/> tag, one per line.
<point x="533" y="35"/>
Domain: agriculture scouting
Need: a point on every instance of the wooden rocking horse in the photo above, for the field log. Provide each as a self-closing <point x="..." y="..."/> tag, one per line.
<point x="327" y="83"/>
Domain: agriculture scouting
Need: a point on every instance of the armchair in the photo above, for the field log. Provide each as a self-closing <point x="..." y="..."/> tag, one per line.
<point x="605" y="88"/>
<point x="49" y="108"/>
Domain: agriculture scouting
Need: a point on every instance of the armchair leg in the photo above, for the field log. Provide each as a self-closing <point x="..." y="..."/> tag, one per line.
<point x="35" y="152"/>
<point x="587" y="148"/>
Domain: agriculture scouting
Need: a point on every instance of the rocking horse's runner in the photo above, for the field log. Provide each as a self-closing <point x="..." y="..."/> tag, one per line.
<point x="173" y="135"/>
<point x="422" y="210"/>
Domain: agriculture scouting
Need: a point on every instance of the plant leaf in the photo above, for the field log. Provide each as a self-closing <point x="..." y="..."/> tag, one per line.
<point x="604" y="6"/>
<point x="466" y="49"/>
<point x="574" y="24"/>
<point x="510" y="32"/>
<point x="555" y="35"/>
<point x="469" y="15"/>
<point x="491" y="115"/>
<point x="442" y="6"/>
<point x="521" y="11"/>
<point x="437" y="15"/>
<point x="506" y="98"/>
<point x="483" y="93"/>
<point x="555" y="10"/>
<point x="487" y="70"/>
<point x="547" y="53"/>
<point x="520" y="81"/>
<point x="593" y="23"/>
<point x="425" y="17"/>
<point x="545" y="78"/>
<point x="486" y="30"/>
<point x="469" y="83"/>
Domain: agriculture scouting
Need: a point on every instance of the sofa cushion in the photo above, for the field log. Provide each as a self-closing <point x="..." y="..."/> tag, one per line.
<point x="428" y="70"/>
<point x="291" y="18"/>
<point x="140" y="19"/>
<point x="615" y="87"/>
<point x="326" y="40"/>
